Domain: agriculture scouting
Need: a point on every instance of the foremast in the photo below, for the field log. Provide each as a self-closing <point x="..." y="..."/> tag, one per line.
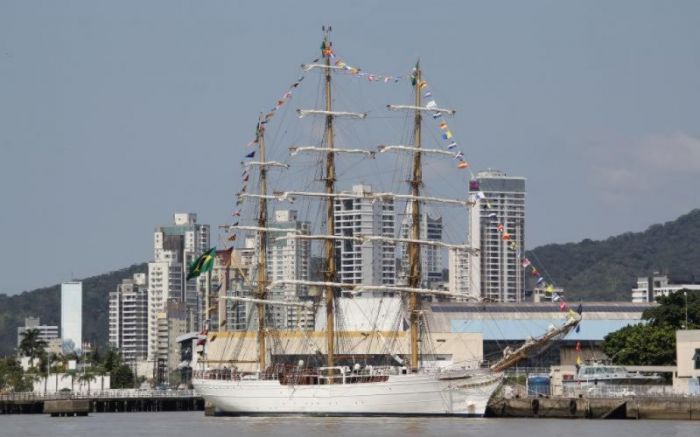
<point x="414" y="277"/>
<point x="262" y="250"/>
<point x="329" y="244"/>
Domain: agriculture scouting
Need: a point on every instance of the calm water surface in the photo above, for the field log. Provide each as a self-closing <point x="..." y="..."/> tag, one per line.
<point x="195" y="424"/>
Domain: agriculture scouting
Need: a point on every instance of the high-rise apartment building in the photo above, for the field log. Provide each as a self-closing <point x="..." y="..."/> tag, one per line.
<point x="171" y="324"/>
<point x="498" y="199"/>
<point x="241" y="272"/>
<point x="287" y="259"/>
<point x="175" y="247"/>
<point x="460" y="268"/>
<point x="430" y="256"/>
<point x="368" y="262"/>
<point x="72" y="315"/>
<point x="128" y="318"/>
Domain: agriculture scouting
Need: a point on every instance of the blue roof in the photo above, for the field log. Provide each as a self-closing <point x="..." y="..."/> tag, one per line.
<point x="495" y="330"/>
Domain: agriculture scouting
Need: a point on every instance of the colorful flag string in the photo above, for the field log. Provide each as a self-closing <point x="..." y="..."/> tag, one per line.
<point x="245" y="177"/>
<point x="371" y="77"/>
<point x="445" y="131"/>
<point x="512" y="245"/>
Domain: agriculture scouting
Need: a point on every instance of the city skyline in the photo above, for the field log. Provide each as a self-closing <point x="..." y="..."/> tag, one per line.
<point x="594" y="105"/>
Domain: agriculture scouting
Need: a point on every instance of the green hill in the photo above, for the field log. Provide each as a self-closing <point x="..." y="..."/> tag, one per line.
<point x="607" y="269"/>
<point x="46" y="304"/>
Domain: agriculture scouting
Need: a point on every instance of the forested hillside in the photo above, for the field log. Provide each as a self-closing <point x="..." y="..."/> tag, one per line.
<point x="607" y="269"/>
<point x="46" y="304"/>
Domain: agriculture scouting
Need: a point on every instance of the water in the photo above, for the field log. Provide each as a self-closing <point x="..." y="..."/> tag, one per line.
<point x="195" y="424"/>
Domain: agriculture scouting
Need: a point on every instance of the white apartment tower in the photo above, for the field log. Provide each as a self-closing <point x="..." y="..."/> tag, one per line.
<point x="369" y="262"/>
<point x="72" y="316"/>
<point x="430" y="256"/>
<point x="289" y="259"/>
<point x="498" y="199"/>
<point x="175" y="247"/>
<point x="464" y="266"/>
<point x="128" y="318"/>
<point x="459" y="266"/>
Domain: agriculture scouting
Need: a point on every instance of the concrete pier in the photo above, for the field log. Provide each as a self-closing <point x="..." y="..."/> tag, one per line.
<point x="669" y="408"/>
<point x="67" y="407"/>
<point x="113" y="401"/>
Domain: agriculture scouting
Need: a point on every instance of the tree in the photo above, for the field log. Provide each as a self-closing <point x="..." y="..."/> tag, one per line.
<point x="112" y="359"/>
<point x="12" y="377"/>
<point x="671" y="310"/>
<point x="654" y="342"/>
<point x="71" y="375"/>
<point x="642" y="345"/>
<point x="122" y="377"/>
<point x="120" y="374"/>
<point x="86" y="376"/>
<point x="32" y="345"/>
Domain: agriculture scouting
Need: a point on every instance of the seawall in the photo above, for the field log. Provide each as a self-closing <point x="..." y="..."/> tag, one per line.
<point x="669" y="408"/>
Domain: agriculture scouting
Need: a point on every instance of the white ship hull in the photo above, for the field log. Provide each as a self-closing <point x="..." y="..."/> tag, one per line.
<point x="412" y="394"/>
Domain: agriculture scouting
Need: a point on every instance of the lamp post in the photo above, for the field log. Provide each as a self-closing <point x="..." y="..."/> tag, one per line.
<point x="685" y="294"/>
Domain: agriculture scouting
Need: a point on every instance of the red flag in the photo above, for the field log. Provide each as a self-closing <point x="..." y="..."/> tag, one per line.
<point x="578" y="346"/>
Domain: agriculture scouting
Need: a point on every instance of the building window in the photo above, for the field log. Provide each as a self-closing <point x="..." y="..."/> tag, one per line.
<point x="696" y="359"/>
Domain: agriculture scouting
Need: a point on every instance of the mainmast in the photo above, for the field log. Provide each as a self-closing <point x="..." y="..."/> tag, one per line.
<point x="329" y="245"/>
<point x="414" y="278"/>
<point x="262" y="249"/>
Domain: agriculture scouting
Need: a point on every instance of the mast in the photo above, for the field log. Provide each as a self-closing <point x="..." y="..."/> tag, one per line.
<point x="414" y="277"/>
<point x="329" y="245"/>
<point x="262" y="250"/>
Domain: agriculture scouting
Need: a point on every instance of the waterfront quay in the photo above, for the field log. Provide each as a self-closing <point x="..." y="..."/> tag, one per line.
<point x="664" y="407"/>
<point x="108" y="401"/>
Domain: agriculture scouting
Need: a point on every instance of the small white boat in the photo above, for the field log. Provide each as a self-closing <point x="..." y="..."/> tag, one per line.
<point x="591" y="375"/>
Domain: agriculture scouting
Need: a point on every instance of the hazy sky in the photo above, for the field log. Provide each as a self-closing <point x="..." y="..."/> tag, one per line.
<point x="114" y="115"/>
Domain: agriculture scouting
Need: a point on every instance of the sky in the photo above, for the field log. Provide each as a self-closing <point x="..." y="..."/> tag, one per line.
<point x="115" y="115"/>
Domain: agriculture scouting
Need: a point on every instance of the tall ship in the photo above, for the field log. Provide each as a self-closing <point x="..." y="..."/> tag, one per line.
<point x="335" y="365"/>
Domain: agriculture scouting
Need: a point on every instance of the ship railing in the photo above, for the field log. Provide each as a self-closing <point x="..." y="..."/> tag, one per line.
<point x="620" y="390"/>
<point x="232" y="375"/>
<point x="526" y="371"/>
<point x="99" y="394"/>
<point x="303" y="376"/>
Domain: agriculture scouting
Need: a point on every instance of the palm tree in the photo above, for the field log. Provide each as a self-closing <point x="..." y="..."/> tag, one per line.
<point x="87" y="376"/>
<point x="29" y="380"/>
<point x="101" y="372"/>
<point x="57" y="364"/>
<point x="32" y="345"/>
<point x="71" y="375"/>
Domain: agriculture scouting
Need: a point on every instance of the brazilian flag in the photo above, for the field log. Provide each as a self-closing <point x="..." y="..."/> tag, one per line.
<point x="202" y="264"/>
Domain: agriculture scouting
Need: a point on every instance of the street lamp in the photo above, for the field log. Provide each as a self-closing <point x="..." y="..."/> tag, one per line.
<point x="685" y="293"/>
